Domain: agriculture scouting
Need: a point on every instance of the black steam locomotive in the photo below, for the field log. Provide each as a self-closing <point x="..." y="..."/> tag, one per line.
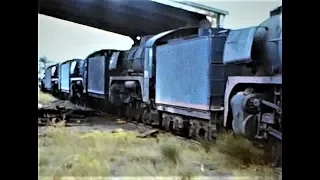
<point x="193" y="81"/>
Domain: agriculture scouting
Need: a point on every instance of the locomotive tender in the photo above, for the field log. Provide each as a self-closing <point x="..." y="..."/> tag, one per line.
<point x="195" y="81"/>
<point x="71" y="78"/>
<point x="99" y="66"/>
<point x="50" y="80"/>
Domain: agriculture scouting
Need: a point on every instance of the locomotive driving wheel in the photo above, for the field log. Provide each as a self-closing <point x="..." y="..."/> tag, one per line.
<point x="138" y="111"/>
<point x="129" y="112"/>
<point x="145" y="116"/>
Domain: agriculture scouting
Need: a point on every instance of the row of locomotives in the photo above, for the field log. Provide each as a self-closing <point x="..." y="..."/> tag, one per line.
<point x="198" y="81"/>
<point x="50" y="80"/>
<point x="71" y="80"/>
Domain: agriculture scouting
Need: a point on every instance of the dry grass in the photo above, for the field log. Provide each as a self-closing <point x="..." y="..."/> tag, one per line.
<point x="64" y="153"/>
<point x="240" y="150"/>
<point x="67" y="153"/>
<point x="44" y="98"/>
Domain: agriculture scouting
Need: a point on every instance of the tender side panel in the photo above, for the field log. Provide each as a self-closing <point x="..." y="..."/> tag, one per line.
<point x="65" y="75"/>
<point x="182" y="78"/>
<point x="47" y="83"/>
<point x="96" y="75"/>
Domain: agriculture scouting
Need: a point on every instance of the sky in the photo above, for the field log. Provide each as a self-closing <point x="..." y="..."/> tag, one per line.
<point x="56" y="36"/>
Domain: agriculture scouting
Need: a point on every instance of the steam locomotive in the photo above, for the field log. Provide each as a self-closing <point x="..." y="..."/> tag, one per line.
<point x="191" y="81"/>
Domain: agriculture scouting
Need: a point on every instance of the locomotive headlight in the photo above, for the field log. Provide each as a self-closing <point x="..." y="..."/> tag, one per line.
<point x="78" y="82"/>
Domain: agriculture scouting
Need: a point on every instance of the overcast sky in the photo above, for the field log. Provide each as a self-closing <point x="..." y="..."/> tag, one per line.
<point x="61" y="40"/>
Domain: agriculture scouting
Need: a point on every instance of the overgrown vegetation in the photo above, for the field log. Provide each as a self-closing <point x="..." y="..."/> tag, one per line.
<point x="65" y="153"/>
<point x="240" y="150"/>
<point x="44" y="98"/>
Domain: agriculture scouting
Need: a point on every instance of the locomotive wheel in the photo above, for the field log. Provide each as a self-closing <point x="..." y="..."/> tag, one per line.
<point x="219" y="126"/>
<point x="145" y="116"/>
<point x="137" y="115"/>
<point x="185" y="130"/>
<point x="167" y="124"/>
<point x="194" y="131"/>
<point x="277" y="154"/>
<point x="129" y="112"/>
<point x="137" y="112"/>
<point x="55" y="91"/>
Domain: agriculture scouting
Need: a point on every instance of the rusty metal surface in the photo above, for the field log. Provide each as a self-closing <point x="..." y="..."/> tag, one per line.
<point x="144" y="17"/>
